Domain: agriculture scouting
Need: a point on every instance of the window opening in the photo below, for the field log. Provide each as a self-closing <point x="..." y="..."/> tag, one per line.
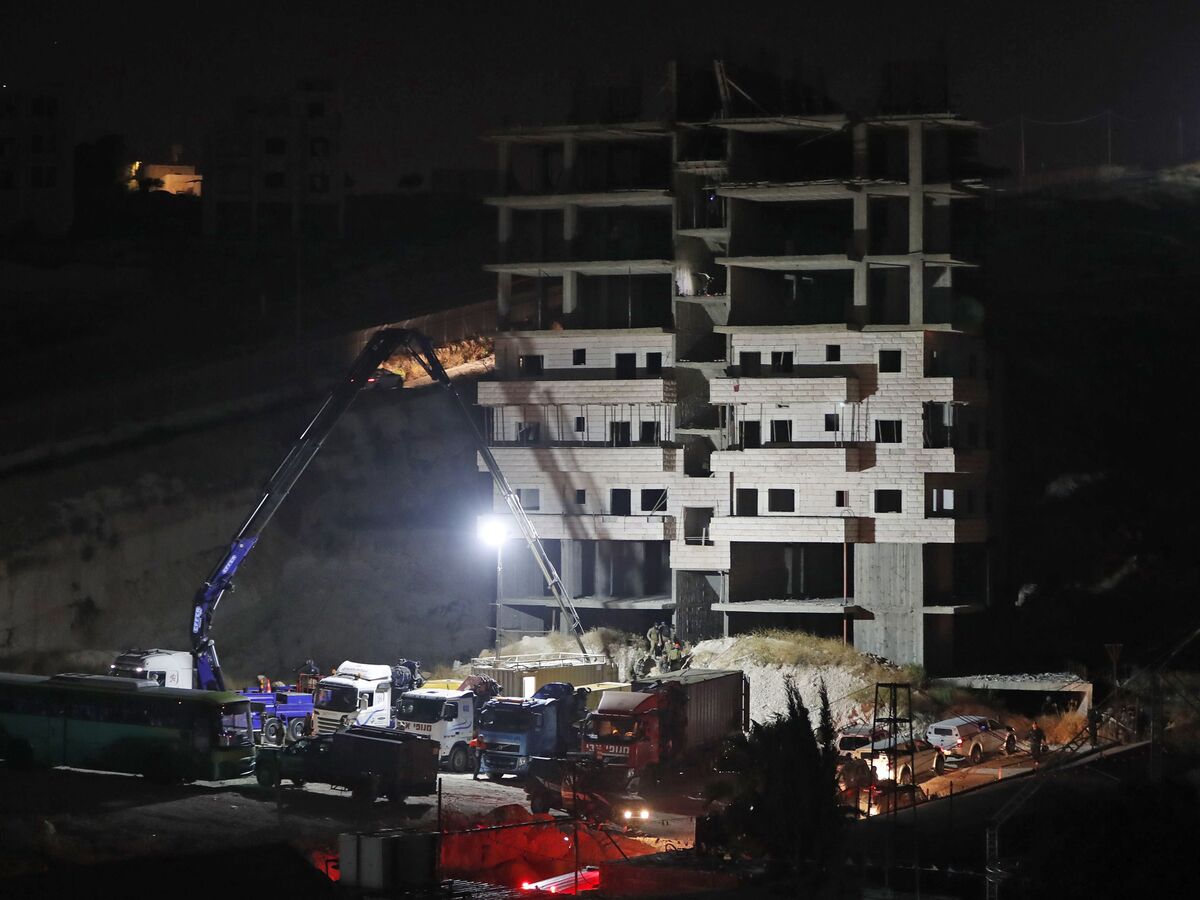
<point x="781" y="500"/>
<point x="888" y="501"/>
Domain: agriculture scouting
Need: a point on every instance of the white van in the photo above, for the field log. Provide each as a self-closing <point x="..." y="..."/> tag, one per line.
<point x="971" y="737"/>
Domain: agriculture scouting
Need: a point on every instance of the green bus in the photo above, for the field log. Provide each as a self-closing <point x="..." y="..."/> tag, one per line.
<point x="124" y="725"/>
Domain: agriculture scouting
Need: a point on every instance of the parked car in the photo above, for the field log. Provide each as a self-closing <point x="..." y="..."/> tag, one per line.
<point x="972" y="737"/>
<point x="854" y="741"/>
<point x="907" y="760"/>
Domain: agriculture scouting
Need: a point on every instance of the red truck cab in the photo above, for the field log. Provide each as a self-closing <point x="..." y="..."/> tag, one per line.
<point x="674" y="720"/>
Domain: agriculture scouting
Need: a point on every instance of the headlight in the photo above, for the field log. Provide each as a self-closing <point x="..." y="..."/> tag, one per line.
<point x="644" y="815"/>
<point x="629" y="814"/>
<point x="345" y="719"/>
<point x="522" y="760"/>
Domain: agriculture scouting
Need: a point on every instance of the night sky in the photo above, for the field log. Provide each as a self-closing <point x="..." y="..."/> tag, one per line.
<point x="422" y="81"/>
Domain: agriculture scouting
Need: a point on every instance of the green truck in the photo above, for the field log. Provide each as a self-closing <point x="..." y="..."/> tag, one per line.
<point x="369" y="762"/>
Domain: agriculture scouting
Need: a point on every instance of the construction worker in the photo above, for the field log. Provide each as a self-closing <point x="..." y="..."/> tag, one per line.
<point x="1093" y="726"/>
<point x="655" y="639"/>
<point x="1037" y="740"/>
<point x="264" y="683"/>
<point x="674" y="656"/>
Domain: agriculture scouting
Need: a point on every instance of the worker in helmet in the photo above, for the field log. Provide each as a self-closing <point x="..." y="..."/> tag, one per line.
<point x="654" y="638"/>
<point x="674" y="656"/>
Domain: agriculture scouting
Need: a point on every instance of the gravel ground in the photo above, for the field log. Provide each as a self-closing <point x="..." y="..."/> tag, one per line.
<point x="68" y="815"/>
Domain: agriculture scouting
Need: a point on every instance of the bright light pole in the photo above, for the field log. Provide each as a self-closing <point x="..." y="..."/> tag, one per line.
<point x="493" y="531"/>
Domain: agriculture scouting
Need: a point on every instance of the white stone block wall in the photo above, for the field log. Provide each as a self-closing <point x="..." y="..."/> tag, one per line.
<point x="600" y="348"/>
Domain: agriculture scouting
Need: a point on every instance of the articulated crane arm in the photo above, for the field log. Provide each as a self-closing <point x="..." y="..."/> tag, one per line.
<point x="430" y="364"/>
<point x="383" y="344"/>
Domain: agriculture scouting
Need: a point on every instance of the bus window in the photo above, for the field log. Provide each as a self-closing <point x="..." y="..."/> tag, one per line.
<point x="234" y="727"/>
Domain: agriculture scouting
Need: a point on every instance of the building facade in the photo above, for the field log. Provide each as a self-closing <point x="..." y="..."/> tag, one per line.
<point x="739" y="380"/>
<point x="36" y="146"/>
<point x="274" y="169"/>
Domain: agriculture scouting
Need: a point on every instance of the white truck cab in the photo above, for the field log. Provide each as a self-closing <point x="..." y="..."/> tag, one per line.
<point x="356" y="694"/>
<point x="170" y="668"/>
<point x="448" y="717"/>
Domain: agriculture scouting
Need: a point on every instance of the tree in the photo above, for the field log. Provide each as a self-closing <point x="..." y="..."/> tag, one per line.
<point x="784" y="802"/>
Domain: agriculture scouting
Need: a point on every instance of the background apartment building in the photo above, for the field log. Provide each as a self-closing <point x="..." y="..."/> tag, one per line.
<point x="36" y="147"/>
<point x="742" y="384"/>
<point x="274" y="169"/>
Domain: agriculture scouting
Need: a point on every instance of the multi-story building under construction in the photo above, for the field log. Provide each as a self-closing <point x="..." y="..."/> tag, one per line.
<point x="738" y="379"/>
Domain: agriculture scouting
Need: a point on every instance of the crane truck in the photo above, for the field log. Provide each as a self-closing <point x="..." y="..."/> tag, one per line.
<point x="204" y="670"/>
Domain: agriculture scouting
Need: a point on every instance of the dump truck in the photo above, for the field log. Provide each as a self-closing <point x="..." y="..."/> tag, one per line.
<point x="636" y="740"/>
<point x="369" y="762"/>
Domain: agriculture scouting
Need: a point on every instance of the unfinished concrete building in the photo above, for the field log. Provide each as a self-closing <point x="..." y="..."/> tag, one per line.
<point x="741" y="383"/>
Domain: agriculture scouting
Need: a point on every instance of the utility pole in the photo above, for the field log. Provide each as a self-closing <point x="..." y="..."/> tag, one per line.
<point x="1021" y="151"/>
<point x="1108" y="121"/>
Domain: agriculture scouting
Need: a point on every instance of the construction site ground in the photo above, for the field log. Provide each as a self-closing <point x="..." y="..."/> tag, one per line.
<point x="67" y="815"/>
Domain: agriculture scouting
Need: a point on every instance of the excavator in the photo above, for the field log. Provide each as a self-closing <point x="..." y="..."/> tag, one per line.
<point x="385" y="343"/>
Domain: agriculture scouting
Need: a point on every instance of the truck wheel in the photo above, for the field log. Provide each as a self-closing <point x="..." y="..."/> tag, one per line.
<point x="266" y="776"/>
<point x="367" y="791"/>
<point x="459" y="759"/>
<point x="273" y="732"/>
<point x="494" y="776"/>
<point x="18" y="754"/>
<point x="296" y="729"/>
<point x="299" y="782"/>
<point x="1010" y="744"/>
<point x="397" y="797"/>
<point x="939" y="765"/>
<point x="976" y="755"/>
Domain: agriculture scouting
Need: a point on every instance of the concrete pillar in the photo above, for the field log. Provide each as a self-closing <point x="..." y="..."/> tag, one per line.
<point x="859" y="136"/>
<point x="503" y="156"/>
<point x="503" y="298"/>
<point x="570" y="292"/>
<point x="916" y="224"/>
<point x="862" y="243"/>
<point x="570" y="222"/>
<point x="603" y="568"/>
<point x="572" y="566"/>
<point x="889" y="582"/>
<point x="505" y="220"/>
<point x="570" y="145"/>
<point x="916" y="289"/>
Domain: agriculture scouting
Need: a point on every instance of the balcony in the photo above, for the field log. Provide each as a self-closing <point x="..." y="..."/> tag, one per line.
<point x="692" y="553"/>
<point x="947" y="390"/>
<point x="642" y="197"/>
<point x="576" y="391"/>
<point x="793" y="529"/>
<point x="534" y="462"/>
<point x="898" y="459"/>
<point x="785" y="389"/>
<point x="911" y="530"/>
<point x="764" y="463"/>
<point x="603" y="528"/>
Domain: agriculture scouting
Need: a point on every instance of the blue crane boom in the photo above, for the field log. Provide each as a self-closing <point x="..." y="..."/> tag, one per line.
<point x="383" y="344"/>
